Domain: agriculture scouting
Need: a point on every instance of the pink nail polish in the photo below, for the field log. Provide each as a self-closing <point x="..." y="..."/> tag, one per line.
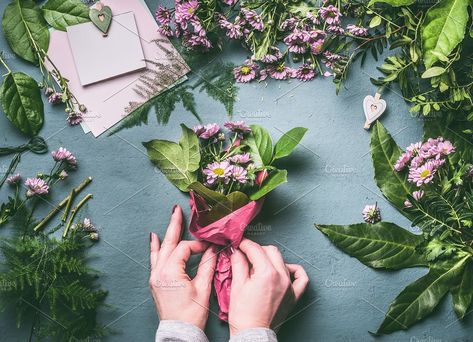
<point x="150" y="237"/>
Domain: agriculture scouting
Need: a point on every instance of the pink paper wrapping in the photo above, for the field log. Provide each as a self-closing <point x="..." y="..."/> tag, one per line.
<point x="224" y="232"/>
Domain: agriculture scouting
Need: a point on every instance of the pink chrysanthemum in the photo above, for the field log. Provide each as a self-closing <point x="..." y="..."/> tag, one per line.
<point x="289" y="24"/>
<point x="330" y="14"/>
<point x="444" y="148"/>
<point x="74" y="118"/>
<point x="417" y="162"/>
<point x="317" y="46"/>
<point x="237" y="126"/>
<point x="272" y="57"/>
<point x="206" y="131"/>
<point x="254" y="19"/>
<point x="336" y="29"/>
<point x="371" y="213"/>
<point x="239" y="174"/>
<point x="218" y="171"/>
<point x="64" y="155"/>
<point x="36" y="186"/>
<point x="297" y="41"/>
<point x="357" y="30"/>
<point x="423" y="174"/>
<point x="279" y="72"/>
<point x="246" y="72"/>
<point x="240" y="158"/>
<point x="163" y="15"/>
<point x="55" y="98"/>
<point x="418" y="194"/>
<point x="305" y="72"/>
<point x="14" y="179"/>
<point x="403" y="160"/>
<point x="407" y="204"/>
<point x="185" y="10"/>
<point x="166" y="30"/>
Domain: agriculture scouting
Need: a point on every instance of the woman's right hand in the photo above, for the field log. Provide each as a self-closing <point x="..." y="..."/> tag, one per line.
<point x="262" y="292"/>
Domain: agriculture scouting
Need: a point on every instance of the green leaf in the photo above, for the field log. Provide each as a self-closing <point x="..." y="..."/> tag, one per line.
<point x="22" y="103"/>
<point x="261" y="146"/>
<point x="394" y="3"/>
<point x="274" y="180"/>
<point x="23" y="20"/>
<point x="385" y="153"/>
<point x="420" y="298"/>
<point x="288" y="142"/>
<point x="380" y="245"/>
<point x="462" y="294"/>
<point x="63" y="13"/>
<point x="443" y="28"/>
<point x="433" y="71"/>
<point x="178" y="162"/>
<point x="375" y="21"/>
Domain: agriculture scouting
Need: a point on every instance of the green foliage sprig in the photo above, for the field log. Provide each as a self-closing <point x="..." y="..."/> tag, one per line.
<point x="444" y="214"/>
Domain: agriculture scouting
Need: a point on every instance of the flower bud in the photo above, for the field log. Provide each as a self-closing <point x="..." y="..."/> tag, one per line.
<point x="94" y="236"/>
<point x="83" y="108"/>
<point x="261" y="176"/>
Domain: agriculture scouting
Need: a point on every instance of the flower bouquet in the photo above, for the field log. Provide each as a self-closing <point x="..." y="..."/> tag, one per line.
<point x="227" y="176"/>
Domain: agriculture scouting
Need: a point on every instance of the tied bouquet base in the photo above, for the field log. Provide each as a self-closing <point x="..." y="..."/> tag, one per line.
<point x="227" y="175"/>
<point x="226" y="232"/>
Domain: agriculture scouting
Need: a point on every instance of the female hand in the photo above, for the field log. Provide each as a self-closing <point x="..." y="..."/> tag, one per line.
<point x="262" y="293"/>
<point x="176" y="295"/>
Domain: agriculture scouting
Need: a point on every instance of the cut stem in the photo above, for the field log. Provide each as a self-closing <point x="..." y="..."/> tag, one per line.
<point x="73" y="214"/>
<point x="61" y="204"/>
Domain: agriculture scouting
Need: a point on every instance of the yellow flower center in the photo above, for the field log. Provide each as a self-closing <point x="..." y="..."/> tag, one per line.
<point x="190" y="11"/>
<point x="245" y="70"/>
<point x="280" y="68"/>
<point x="425" y="173"/>
<point x="219" y="171"/>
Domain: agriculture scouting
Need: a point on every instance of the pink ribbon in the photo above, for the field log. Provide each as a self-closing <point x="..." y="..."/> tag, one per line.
<point x="228" y="232"/>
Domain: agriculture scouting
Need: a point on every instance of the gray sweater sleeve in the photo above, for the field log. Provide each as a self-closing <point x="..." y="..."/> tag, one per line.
<point x="178" y="331"/>
<point x="255" y="335"/>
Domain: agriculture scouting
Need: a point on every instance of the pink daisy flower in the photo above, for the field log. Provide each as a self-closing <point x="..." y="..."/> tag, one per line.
<point x="237" y="126"/>
<point x="357" y="30"/>
<point x="206" y="131"/>
<point x="254" y="19"/>
<point x="371" y="213"/>
<point x="74" y="118"/>
<point x="297" y="41"/>
<point x="55" y="98"/>
<point x="163" y="15"/>
<point x="240" y="158"/>
<point x="64" y="155"/>
<point x="418" y="194"/>
<point x="14" y="179"/>
<point x="279" y="72"/>
<point x="403" y="160"/>
<point x="330" y="14"/>
<point x="423" y="174"/>
<point x="218" y="171"/>
<point x="272" y="57"/>
<point x="305" y="72"/>
<point x="239" y="174"/>
<point x="36" y="186"/>
<point x="246" y="72"/>
<point x="316" y="47"/>
<point x="185" y="10"/>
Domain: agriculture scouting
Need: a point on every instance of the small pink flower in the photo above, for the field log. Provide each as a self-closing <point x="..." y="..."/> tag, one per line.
<point x="246" y="72"/>
<point x="418" y="194"/>
<point x="74" y="118"/>
<point x="272" y="57"/>
<point x="36" y="186"/>
<point x="407" y="204"/>
<point x="240" y="158"/>
<point x="317" y="46"/>
<point x="217" y="171"/>
<point x="297" y="41"/>
<point x="414" y="148"/>
<point x="403" y="160"/>
<point x="206" y="131"/>
<point x="163" y="15"/>
<point x="14" y="179"/>
<point x="445" y="148"/>
<point x="166" y="30"/>
<point x="64" y="155"/>
<point x="185" y="10"/>
<point x="357" y="30"/>
<point x="237" y="126"/>
<point x="279" y="72"/>
<point x="305" y="72"/>
<point x="239" y="174"/>
<point x="417" y="162"/>
<point x="55" y="98"/>
<point x="254" y="19"/>
<point x="336" y="29"/>
<point x="371" y="213"/>
<point x="423" y="174"/>
<point x="330" y="14"/>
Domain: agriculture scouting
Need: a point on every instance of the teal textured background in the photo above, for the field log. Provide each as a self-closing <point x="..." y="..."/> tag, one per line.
<point x="330" y="181"/>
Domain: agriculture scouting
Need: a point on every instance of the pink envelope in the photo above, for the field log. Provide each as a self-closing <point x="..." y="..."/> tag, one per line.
<point x="110" y="101"/>
<point x="228" y="232"/>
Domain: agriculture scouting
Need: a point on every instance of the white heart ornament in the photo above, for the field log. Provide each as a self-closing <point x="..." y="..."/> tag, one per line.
<point x="374" y="107"/>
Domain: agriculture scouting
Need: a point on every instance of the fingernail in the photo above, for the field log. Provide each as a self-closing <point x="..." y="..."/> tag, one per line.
<point x="150" y="237"/>
<point x="232" y="249"/>
<point x="174" y="208"/>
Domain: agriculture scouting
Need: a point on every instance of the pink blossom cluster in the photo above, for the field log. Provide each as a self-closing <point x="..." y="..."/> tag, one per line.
<point x="63" y="155"/>
<point x="423" y="161"/>
<point x="304" y="36"/>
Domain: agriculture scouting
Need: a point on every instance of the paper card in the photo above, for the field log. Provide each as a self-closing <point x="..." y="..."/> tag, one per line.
<point x="111" y="100"/>
<point x="98" y="58"/>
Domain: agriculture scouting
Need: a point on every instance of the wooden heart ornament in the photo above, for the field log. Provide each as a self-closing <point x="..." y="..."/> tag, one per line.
<point x="374" y="107"/>
<point x="101" y="16"/>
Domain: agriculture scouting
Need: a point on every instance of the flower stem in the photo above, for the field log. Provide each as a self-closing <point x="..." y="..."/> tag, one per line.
<point x="61" y="204"/>
<point x="73" y="214"/>
<point x="5" y="64"/>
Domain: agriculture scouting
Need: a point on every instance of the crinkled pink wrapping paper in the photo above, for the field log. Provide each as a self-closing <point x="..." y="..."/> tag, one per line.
<point x="224" y="232"/>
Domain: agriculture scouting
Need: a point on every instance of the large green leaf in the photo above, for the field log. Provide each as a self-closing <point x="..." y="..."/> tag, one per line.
<point x="394" y="3"/>
<point x="463" y="293"/>
<point x="443" y="29"/>
<point x="22" y="24"/>
<point x="22" y="103"/>
<point x="385" y="153"/>
<point x="288" y="142"/>
<point x="63" y="13"/>
<point x="420" y="298"/>
<point x="178" y="162"/>
<point x="275" y="179"/>
<point x="380" y="245"/>
<point x="261" y="146"/>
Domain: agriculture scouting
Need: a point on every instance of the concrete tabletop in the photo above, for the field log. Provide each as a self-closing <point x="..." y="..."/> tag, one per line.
<point x="330" y="181"/>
